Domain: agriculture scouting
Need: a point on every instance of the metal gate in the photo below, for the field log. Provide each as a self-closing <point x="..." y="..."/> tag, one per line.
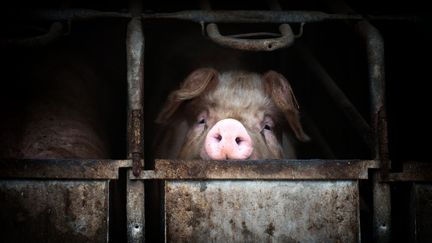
<point x="306" y="200"/>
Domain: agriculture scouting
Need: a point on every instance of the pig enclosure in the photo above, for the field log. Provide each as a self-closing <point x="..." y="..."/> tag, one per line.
<point x="79" y="101"/>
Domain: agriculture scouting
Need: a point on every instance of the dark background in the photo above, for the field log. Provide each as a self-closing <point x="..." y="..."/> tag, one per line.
<point x="175" y="48"/>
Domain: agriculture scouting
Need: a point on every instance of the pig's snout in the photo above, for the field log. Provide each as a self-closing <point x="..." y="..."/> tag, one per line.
<point x="228" y="139"/>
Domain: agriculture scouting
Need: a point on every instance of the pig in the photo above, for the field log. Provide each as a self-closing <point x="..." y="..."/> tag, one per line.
<point x="234" y="115"/>
<point x="59" y="115"/>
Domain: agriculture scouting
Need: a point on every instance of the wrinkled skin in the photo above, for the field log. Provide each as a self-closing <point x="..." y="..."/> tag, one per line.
<point x="229" y="115"/>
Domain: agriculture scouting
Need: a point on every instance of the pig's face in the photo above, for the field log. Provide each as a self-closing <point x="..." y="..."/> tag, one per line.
<point x="233" y="115"/>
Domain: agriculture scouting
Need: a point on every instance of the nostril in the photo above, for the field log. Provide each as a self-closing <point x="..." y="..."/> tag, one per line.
<point x="218" y="137"/>
<point x="238" y="140"/>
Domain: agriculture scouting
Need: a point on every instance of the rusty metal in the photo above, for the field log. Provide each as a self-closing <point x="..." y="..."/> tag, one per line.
<point x="271" y="44"/>
<point x="60" y="14"/>
<point x="250" y="16"/>
<point x="261" y="211"/>
<point x="338" y="96"/>
<point x="260" y="170"/>
<point x="135" y="78"/>
<point x="381" y="190"/>
<point x="285" y="39"/>
<point x="135" y="139"/>
<point x="55" y="32"/>
<point x="54" y="211"/>
<point x="381" y="208"/>
<point x="61" y="168"/>
<point x="199" y="16"/>
<point x="135" y="213"/>
<point x="421" y="212"/>
<point x="413" y="171"/>
<point x="375" y="53"/>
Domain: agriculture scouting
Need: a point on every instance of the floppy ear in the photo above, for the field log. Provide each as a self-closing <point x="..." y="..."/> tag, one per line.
<point x="279" y="89"/>
<point x="193" y="86"/>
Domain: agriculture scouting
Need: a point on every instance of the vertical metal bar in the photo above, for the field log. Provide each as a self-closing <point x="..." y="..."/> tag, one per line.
<point x="135" y="74"/>
<point x="375" y="55"/>
<point x="381" y="190"/>
<point x="135" y="77"/>
<point x="135" y="211"/>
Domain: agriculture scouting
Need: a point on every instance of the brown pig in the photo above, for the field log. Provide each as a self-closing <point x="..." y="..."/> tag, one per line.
<point x="229" y="115"/>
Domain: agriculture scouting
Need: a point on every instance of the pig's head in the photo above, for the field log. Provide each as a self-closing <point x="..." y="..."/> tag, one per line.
<point x="233" y="115"/>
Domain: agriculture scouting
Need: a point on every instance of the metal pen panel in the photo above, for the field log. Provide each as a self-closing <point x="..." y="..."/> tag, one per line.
<point x="54" y="211"/>
<point x="261" y="211"/>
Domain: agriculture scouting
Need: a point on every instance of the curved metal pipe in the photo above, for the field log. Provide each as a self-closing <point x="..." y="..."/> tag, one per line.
<point x="270" y="44"/>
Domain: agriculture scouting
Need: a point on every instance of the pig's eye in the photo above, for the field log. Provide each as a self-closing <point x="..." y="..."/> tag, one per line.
<point x="202" y="118"/>
<point x="267" y="124"/>
<point x="202" y="121"/>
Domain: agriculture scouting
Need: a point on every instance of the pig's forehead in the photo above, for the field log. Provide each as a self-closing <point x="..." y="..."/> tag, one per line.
<point x="240" y="89"/>
<point x="240" y="94"/>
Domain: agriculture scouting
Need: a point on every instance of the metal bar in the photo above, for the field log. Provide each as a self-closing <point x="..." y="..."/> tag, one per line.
<point x="250" y="16"/>
<point x="55" y="32"/>
<point x="380" y="189"/>
<point x="259" y="170"/>
<point x="270" y="44"/>
<point x="199" y="16"/>
<point x="59" y="14"/>
<point x="135" y="219"/>
<point x="135" y="77"/>
<point x="381" y="209"/>
<point x="375" y="53"/>
<point x="338" y="96"/>
<point x="61" y="169"/>
<point x="285" y="39"/>
<point x="413" y="171"/>
<point x="135" y="212"/>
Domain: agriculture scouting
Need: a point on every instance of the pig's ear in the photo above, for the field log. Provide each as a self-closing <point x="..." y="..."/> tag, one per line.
<point x="283" y="96"/>
<point x="194" y="85"/>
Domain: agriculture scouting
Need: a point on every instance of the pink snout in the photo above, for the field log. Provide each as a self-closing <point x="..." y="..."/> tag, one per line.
<point x="228" y="139"/>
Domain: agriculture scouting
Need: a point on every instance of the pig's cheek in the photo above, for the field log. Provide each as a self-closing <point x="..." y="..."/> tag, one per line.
<point x="273" y="144"/>
<point x="203" y="154"/>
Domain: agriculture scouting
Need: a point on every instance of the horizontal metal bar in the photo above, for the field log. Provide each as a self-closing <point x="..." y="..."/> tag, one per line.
<point x="259" y="169"/>
<point x="412" y="171"/>
<point x="221" y="16"/>
<point x="251" y="16"/>
<point x="199" y="16"/>
<point x="59" y="14"/>
<point x="61" y="169"/>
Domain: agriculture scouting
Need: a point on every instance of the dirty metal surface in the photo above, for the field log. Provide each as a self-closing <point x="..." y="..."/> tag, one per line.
<point x="413" y="171"/>
<point x="53" y="211"/>
<point x="421" y="212"/>
<point x="61" y="168"/>
<point x="261" y="211"/>
<point x="286" y="39"/>
<point x="260" y="169"/>
<point x="135" y="214"/>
